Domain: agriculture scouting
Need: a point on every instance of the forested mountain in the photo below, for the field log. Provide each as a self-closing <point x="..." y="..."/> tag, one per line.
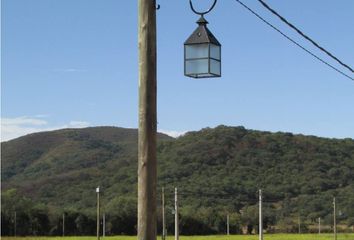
<point x="217" y="171"/>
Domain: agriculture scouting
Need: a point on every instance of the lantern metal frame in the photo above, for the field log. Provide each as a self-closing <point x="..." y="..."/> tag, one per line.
<point x="202" y="58"/>
<point x="202" y="35"/>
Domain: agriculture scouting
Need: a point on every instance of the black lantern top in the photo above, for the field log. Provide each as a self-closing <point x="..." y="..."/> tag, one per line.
<point x="202" y="34"/>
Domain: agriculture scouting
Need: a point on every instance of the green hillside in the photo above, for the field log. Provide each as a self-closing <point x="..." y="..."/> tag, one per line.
<point x="62" y="168"/>
<point x="216" y="171"/>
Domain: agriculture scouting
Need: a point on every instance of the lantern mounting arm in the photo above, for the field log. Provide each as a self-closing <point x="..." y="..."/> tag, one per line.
<point x="202" y="13"/>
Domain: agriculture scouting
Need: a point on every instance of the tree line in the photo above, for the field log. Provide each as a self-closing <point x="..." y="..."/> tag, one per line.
<point x="120" y="218"/>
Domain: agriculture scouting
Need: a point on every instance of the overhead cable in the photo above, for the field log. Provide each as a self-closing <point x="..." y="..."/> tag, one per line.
<point x="304" y="35"/>
<point x="293" y="41"/>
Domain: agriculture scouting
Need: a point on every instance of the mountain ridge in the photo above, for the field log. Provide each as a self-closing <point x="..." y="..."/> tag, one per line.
<point x="61" y="169"/>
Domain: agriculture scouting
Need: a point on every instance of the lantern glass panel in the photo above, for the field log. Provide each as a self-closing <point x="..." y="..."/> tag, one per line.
<point x="204" y="75"/>
<point x="215" y="67"/>
<point x="197" y="51"/>
<point x="197" y="66"/>
<point x="215" y="51"/>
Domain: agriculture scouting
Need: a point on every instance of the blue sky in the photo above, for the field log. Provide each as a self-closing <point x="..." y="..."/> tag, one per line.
<point x="74" y="63"/>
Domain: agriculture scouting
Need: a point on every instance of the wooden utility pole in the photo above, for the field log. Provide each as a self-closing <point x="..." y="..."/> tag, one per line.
<point x="176" y="216"/>
<point x="228" y="224"/>
<point x="147" y="165"/>
<point x="63" y="224"/>
<point x="163" y="214"/>
<point x="260" y="216"/>
<point x="98" y="212"/>
<point x="334" y="219"/>
<point x="319" y="225"/>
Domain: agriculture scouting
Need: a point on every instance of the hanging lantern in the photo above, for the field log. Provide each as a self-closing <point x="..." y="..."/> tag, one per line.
<point x="202" y="51"/>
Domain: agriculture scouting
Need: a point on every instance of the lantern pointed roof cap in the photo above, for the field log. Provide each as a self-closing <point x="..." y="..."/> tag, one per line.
<point x="202" y="21"/>
<point x="202" y="34"/>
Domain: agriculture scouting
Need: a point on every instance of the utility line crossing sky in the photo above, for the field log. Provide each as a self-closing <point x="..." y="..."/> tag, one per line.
<point x="75" y="64"/>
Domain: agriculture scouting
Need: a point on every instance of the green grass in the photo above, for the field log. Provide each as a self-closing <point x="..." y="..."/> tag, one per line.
<point x="217" y="237"/>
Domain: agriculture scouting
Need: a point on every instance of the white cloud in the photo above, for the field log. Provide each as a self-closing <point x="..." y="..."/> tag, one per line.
<point x="78" y="124"/>
<point x="41" y="116"/>
<point x="172" y="133"/>
<point x="9" y="132"/>
<point x="68" y="70"/>
<point x="22" y="121"/>
<point x="19" y="126"/>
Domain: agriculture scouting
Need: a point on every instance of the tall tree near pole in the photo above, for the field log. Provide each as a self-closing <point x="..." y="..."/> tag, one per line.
<point x="147" y="164"/>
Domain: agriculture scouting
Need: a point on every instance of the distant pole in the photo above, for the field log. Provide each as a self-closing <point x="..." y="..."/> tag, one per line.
<point x="176" y="217"/>
<point x="163" y="214"/>
<point x="260" y="216"/>
<point x="334" y="219"/>
<point x="104" y="225"/>
<point x="15" y="224"/>
<point x="228" y="224"/>
<point x="319" y="225"/>
<point x="63" y="224"/>
<point x="299" y="223"/>
<point x="98" y="212"/>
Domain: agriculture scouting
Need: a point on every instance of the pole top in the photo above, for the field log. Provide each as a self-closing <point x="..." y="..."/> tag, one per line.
<point x="97" y="189"/>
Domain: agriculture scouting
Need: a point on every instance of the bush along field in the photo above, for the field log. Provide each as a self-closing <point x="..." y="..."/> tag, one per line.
<point x="214" y="237"/>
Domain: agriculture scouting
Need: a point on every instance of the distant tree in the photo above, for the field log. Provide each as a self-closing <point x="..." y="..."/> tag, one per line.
<point x="249" y="218"/>
<point x="123" y="215"/>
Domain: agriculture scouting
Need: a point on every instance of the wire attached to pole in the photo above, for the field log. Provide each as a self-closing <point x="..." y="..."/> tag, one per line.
<point x="304" y="35"/>
<point x="293" y="41"/>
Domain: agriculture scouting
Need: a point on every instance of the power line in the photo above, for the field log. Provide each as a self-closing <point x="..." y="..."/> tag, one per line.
<point x="293" y="41"/>
<point x="304" y="35"/>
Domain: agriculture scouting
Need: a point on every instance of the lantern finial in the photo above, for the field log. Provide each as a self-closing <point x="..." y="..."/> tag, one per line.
<point x="202" y="21"/>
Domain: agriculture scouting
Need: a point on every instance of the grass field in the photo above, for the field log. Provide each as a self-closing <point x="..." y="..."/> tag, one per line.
<point x="218" y="237"/>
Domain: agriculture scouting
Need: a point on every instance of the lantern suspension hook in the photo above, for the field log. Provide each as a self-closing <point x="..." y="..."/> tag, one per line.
<point x="202" y="13"/>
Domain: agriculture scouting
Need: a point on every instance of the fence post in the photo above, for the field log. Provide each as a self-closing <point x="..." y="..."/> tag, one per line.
<point x="163" y="214"/>
<point x="63" y="224"/>
<point x="228" y="224"/>
<point x="15" y="224"/>
<point x="334" y="219"/>
<point x="260" y="231"/>
<point x="176" y="217"/>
